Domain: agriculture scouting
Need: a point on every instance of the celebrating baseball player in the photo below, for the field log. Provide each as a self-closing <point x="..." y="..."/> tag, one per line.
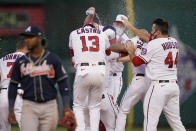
<point x="138" y="86"/>
<point x="113" y="80"/>
<point x="37" y="72"/>
<point x="89" y="46"/>
<point x="161" y="57"/>
<point x="6" y="66"/>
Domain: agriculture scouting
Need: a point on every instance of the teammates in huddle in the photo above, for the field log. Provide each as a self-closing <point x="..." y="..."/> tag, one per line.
<point x="99" y="53"/>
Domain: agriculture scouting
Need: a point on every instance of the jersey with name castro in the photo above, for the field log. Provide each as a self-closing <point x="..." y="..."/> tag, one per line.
<point x="89" y="45"/>
<point x="161" y="56"/>
<point x="6" y="65"/>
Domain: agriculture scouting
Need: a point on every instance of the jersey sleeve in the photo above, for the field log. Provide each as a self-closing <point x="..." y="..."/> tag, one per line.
<point x="147" y="52"/>
<point x="70" y="41"/>
<point x="134" y="40"/>
<point x="60" y="72"/>
<point x="16" y="74"/>
<point x="110" y="32"/>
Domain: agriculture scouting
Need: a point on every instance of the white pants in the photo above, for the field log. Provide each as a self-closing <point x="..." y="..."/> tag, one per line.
<point x="4" y="111"/>
<point x="135" y="92"/>
<point x="162" y="96"/>
<point x="108" y="112"/>
<point x="88" y="85"/>
<point x="39" y="116"/>
<point x="18" y="109"/>
<point x="115" y="85"/>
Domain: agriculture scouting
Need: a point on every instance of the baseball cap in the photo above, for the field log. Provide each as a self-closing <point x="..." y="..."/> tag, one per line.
<point x="32" y="31"/>
<point x="119" y="17"/>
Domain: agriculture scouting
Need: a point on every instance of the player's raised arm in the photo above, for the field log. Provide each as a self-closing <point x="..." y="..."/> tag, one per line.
<point x="143" y="35"/>
<point x="90" y="12"/>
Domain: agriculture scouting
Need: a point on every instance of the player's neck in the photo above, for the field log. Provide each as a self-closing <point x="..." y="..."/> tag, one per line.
<point x="162" y="36"/>
<point x="23" y="50"/>
<point x="36" y="52"/>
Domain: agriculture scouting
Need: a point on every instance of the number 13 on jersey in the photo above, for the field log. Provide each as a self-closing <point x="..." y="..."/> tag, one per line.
<point x="95" y="43"/>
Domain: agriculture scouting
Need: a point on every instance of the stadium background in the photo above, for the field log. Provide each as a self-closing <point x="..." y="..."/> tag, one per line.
<point x="59" y="17"/>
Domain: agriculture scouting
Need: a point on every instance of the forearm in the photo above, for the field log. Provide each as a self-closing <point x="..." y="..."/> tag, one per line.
<point x="124" y="59"/>
<point x="64" y="91"/>
<point x="118" y="48"/>
<point x="144" y="36"/>
<point x="89" y="18"/>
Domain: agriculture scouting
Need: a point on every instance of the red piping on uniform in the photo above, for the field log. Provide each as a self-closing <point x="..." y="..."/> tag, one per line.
<point x="71" y="52"/>
<point x="148" y="107"/>
<point x="137" y="61"/>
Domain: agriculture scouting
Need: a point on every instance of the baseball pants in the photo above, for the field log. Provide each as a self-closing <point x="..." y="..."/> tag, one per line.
<point x="135" y="92"/>
<point x="4" y="111"/>
<point x="164" y="96"/>
<point x="115" y="85"/>
<point x="108" y="112"/>
<point x="39" y="116"/>
<point x="18" y="109"/>
<point x="88" y="85"/>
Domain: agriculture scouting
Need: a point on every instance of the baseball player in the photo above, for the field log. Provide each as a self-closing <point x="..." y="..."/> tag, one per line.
<point x="6" y="66"/>
<point x="161" y="57"/>
<point x="136" y="89"/>
<point x="89" y="46"/>
<point x="37" y="72"/>
<point x="113" y="83"/>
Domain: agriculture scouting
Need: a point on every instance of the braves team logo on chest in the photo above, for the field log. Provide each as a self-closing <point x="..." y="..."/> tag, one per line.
<point x="43" y="69"/>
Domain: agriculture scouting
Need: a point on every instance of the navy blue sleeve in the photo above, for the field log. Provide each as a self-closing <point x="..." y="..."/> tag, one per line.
<point x="15" y="80"/>
<point x="64" y="91"/>
<point x="62" y="80"/>
<point x="60" y="72"/>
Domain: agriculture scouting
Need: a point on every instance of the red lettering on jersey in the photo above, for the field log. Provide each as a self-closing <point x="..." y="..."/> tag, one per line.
<point x="10" y="72"/>
<point x="169" y="60"/>
<point x="95" y="43"/>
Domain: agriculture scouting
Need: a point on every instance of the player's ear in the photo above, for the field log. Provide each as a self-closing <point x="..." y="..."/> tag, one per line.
<point x="43" y="42"/>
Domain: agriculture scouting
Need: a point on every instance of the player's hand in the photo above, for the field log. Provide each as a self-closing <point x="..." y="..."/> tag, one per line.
<point x="11" y="117"/>
<point x="126" y="22"/>
<point x="90" y="11"/>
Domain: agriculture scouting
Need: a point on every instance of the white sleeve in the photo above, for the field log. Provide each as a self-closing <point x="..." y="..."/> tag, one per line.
<point x="110" y="34"/>
<point x="112" y="56"/>
<point x="148" y="51"/>
<point x="70" y="40"/>
<point x="134" y="40"/>
<point x="107" y="43"/>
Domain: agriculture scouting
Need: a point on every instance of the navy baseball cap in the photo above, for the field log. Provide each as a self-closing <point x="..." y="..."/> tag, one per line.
<point x="32" y="31"/>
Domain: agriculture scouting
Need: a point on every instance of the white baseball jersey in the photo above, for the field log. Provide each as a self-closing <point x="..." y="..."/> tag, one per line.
<point x="159" y="67"/>
<point x="89" y="45"/>
<point x="117" y="66"/>
<point x="139" y="44"/>
<point x="6" y="65"/>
